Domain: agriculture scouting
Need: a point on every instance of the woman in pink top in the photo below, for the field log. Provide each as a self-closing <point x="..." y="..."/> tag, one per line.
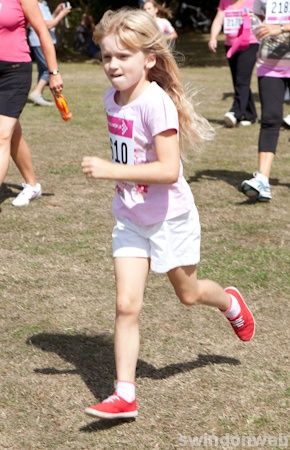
<point x="229" y="17"/>
<point x="15" y="81"/>
<point x="157" y="226"/>
<point x="273" y="70"/>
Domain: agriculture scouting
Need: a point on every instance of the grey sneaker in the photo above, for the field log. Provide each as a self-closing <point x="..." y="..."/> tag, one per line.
<point x="27" y="194"/>
<point x="230" y="119"/>
<point x="256" y="188"/>
<point x="37" y="99"/>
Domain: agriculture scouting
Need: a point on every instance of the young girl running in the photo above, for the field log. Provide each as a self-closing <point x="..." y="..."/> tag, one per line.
<point x="157" y="224"/>
<point x="161" y="14"/>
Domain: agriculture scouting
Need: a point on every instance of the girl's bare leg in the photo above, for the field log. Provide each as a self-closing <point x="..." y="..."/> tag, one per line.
<point x="131" y="275"/>
<point x="192" y="291"/>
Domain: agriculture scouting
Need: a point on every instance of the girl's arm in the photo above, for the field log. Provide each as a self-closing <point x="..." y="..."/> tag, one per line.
<point x="215" y="30"/>
<point x="33" y="15"/>
<point x="172" y="36"/>
<point x="163" y="171"/>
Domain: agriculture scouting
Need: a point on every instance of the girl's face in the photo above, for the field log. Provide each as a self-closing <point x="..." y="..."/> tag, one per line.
<point x="126" y="69"/>
<point x="150" y="8"/>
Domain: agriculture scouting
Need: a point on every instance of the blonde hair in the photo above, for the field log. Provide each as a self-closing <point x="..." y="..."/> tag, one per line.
<point x="137" y="30"/>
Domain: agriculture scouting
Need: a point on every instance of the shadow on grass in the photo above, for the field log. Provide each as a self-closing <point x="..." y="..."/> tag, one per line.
<point x="93" y="360"/>
<point x="7" y="191"/>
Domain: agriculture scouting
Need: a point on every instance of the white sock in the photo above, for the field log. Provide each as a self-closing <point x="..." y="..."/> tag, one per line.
<point x="234" y="309"/>
<point x="262" y="177"/>
<point x="126" y="390"/>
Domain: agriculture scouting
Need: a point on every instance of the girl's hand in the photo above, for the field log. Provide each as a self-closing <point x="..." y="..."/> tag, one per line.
<point x="94" y="167"/>
<point x="265" y="29"/>
<point x="212" y="45"/>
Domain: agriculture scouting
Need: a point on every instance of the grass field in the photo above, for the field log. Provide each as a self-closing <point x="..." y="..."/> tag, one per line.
<point x="194" y="377"/>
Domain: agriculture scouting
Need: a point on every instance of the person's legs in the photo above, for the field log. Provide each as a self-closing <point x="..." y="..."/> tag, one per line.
<point x="22" y="157"/>
<point x="36" y="94"/>
<point x="131" y="275"/>
<point x="272" y="91"/>
<point x="192" y="291"/>
<point x="230" y="118"/>
<point x="7" y="125"/>
<point x="245" y="64"/>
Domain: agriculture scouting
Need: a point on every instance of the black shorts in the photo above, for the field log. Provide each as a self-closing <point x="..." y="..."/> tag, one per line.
<point x="15" y="82"/>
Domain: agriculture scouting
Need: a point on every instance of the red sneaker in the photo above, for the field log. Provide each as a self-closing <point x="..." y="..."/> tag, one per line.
<point x="114" y="407"/>
<point x="244" y="323"/>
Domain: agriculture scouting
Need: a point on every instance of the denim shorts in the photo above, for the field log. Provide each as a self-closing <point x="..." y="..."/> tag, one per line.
<point x="41" y="64"/>
<point x="15" y="82"/>
<point x="169" y="244"/>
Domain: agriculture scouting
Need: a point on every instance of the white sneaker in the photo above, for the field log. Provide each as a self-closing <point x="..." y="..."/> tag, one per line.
<point x="230" y="119"/>
<point x="257" y="188"/>
<point x="286" y="120"/>
<point x="37" y="99"/>
<point x="245" y="123"/>
<point x="27" y="194"/>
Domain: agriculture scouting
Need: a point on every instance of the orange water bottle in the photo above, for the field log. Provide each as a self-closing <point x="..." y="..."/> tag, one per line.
<point x="62" y="106"/>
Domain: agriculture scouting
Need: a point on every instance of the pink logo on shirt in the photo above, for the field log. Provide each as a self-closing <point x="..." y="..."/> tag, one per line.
<point x="120" y="127"/>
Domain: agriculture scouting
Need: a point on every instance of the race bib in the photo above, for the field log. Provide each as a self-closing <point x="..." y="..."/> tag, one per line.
<point x="121" y="140"/>
<point x="278" y="11"/>
<point x="233" y="19"/>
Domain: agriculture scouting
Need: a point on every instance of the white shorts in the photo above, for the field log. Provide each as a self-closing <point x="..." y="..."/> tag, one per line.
<point x="169" y="244"/>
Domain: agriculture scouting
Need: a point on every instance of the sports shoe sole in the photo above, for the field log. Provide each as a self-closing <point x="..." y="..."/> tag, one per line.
<point x="249" y="191"/>
<point x="229" y="123"/>
<point x="105" y="415"/>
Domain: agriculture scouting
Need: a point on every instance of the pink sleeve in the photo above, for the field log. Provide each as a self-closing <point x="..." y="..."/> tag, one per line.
<point x="222" y="5"/>
<point x="161" y="114"/>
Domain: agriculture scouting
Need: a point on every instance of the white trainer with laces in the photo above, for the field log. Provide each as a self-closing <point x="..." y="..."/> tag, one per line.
<point x="230" y="119"/>
<point x="257" y="188"/>
<point x="27" y="194"/>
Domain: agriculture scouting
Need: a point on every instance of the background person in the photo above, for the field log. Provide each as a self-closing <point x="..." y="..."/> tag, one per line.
<point x="157" y="223"/>
<point x="15" y="80"/>
<point x="51" y="20"/>
<point x="229" y="17"/>
<point x="161" y="14"/>
<point x="273" y="70"/>
<point x="83" y="38"/>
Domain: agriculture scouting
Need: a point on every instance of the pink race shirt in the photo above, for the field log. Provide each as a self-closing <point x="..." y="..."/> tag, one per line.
<point x="13" y="42"/>
<point x="164" y="25"/>
<point x="233" y="11"/>
<point x="132" y="128"/>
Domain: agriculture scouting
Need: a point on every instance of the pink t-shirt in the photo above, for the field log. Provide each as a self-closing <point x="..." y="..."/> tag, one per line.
<point x="164" y="25"/>
<point x="13" y="42"/>
<point x="233" y="11"/>
<point x="132" y="128"/>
